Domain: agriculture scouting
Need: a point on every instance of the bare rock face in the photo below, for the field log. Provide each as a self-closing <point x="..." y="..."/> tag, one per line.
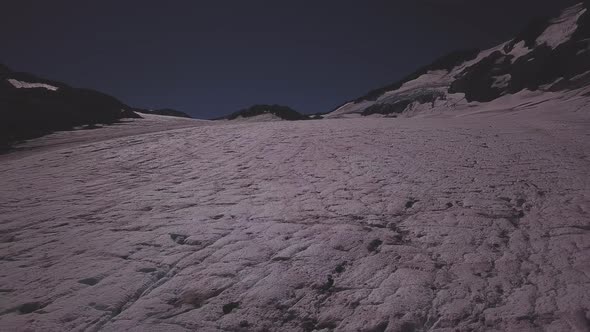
<point x="474" y="223"/>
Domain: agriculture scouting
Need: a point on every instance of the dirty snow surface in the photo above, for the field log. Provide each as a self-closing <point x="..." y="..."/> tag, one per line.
<point x="470" y="223"/>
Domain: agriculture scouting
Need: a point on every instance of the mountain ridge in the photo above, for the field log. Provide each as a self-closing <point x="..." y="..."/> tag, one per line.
<point x="33" y="106"/>
<point x="280" y="112"/>
<point x="549" y="54"/>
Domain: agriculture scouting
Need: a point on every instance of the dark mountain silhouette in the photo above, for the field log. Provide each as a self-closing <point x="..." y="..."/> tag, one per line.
<point x="283" y="112"/>
<point x="31" y="107"/>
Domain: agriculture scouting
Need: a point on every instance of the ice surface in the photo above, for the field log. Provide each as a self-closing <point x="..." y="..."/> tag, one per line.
<point x="125" y="128"/>
<point x="472" y="219"/>
<point x="26" y="85"/>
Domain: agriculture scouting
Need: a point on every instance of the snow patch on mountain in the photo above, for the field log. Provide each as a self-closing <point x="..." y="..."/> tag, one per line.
<point x="562" y="28"/>
<point x="532" y="60"/>
<point x="501" y="81"/>
<point x="349" y="109"/>
<point x="26" y="85"/>
<point x="428" y="89"/>
<point x="519" y="50"/>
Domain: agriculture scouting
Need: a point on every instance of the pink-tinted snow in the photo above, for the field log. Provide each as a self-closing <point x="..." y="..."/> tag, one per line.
<point x="465" y="220"/>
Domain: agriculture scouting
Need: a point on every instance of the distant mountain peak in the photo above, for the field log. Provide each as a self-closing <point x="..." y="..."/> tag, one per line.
<point x="164" y="111"/>
<point x="278" y="111"/>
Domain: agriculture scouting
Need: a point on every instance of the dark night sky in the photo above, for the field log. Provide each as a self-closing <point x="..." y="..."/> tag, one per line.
<point x="210" y="58"/>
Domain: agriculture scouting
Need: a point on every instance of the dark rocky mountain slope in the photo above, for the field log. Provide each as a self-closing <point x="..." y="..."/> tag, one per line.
<point x="550" y="54"/>
<point x="279" y="111"/>
<point x="31" y="107"/>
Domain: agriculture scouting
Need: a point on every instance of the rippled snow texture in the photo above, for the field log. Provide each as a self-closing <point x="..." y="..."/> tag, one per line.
<point x="465" y="224"/>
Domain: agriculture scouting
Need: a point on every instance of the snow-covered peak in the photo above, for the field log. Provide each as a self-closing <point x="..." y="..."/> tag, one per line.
<point x="562" y="28"/>
<point x="27" y="85"/>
